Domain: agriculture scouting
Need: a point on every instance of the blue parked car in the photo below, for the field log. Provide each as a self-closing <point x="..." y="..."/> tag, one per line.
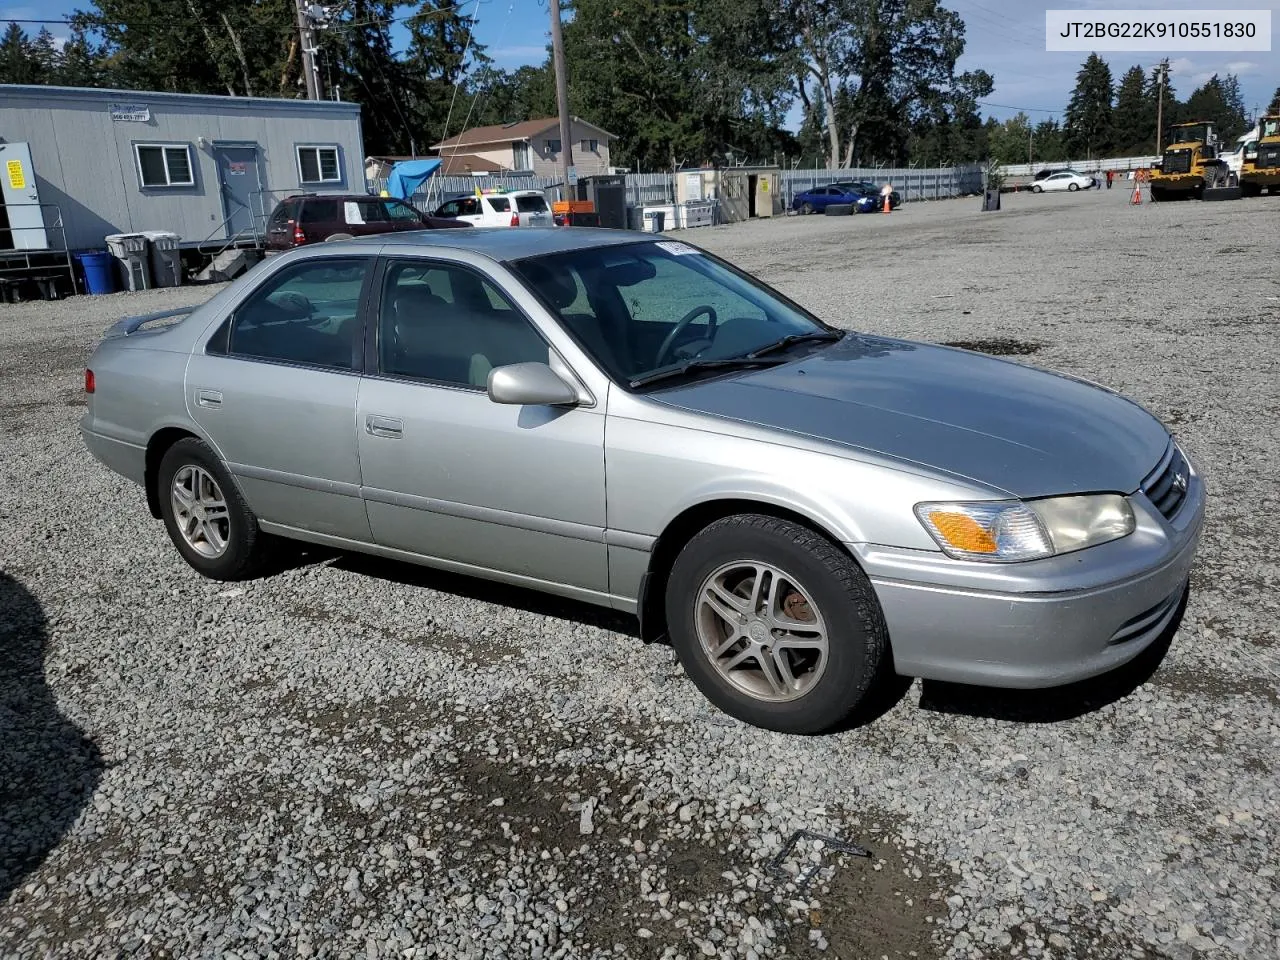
<point x="819" y="198"/>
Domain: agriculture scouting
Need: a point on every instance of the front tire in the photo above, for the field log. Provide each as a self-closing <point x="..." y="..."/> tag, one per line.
<point x="205" y="516"/>
<point x="1073" y="187"/>
<point x="775" y="624"/>
<point x="806" y="208"/>
<point x="1036" y="188"/>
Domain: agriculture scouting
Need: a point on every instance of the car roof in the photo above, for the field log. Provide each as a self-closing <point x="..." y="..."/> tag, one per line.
<point x="508" y="244"/>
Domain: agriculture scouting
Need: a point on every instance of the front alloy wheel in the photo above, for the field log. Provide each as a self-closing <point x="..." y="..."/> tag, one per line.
<point x="776" y="624"/>
<point x="761" y="631"/>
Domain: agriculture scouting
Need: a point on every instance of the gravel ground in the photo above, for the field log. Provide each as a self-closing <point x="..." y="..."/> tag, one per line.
<point x="359" y="758"/>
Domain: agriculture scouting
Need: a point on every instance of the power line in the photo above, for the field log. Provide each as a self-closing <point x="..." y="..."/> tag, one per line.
<point x="1006" y="106"/>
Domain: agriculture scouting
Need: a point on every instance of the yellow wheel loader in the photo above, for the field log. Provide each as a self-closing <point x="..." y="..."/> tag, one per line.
<point x="1260" y="169"/>
<point x="1192" y="167"/>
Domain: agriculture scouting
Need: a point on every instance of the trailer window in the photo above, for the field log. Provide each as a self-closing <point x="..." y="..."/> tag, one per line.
<point x="164" y="165"/>
<point x="318" y="165"/>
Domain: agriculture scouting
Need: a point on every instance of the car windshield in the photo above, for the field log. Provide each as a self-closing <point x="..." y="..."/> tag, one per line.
<point x="651" y="306"/>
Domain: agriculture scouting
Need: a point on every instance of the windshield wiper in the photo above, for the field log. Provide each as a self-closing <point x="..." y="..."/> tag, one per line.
<point x="692" y="366"/>
<point x="795" y="338"/>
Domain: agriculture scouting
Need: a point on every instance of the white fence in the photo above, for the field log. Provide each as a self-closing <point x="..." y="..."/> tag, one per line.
<point x="1082" y="166"/>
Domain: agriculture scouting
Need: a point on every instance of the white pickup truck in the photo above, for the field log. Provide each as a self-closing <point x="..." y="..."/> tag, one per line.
<point x="1245" y="145"/>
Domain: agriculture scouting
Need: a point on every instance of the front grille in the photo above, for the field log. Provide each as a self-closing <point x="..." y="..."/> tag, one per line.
<point x="1177" y="161"/>
<point x="1149" y="622"/>
<point x="1166" y="485"/>
<point x="1269" y="156"/>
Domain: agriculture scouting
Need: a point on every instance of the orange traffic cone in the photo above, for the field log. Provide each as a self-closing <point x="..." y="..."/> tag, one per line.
<point x="1137" y="193"/>
<point x="886" y="204"/>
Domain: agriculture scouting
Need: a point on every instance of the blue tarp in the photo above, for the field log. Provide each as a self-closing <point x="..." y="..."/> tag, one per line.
<point x="408" y="175"/>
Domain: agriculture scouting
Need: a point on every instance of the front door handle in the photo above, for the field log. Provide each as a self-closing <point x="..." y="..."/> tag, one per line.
<point x="383" y="427"/>
<point x="209" y="398"/>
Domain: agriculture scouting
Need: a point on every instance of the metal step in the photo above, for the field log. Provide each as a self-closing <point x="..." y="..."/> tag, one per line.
<point x="1222" y="193"/>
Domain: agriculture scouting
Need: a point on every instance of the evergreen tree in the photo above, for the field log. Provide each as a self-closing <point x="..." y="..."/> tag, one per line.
<point x="1218" y="102"/>
<point x="442" y="52"/>
<point x="47" y="57"/>
<point x="1088" y="121"/>
<point x="80" y="66"/>
<point x="17" y="57"/>
<point x="1134" y="117"/>
<point x="1273" y="107"/>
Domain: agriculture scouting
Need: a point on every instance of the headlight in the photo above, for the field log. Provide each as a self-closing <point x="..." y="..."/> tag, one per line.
<point x="1009" y="530"/>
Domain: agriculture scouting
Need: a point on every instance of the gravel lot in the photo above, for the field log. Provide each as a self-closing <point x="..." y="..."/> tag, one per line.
<point x="358" y="758"/>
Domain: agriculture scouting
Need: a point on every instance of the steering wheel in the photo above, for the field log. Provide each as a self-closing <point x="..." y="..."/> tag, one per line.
<point x="680" y="327"/>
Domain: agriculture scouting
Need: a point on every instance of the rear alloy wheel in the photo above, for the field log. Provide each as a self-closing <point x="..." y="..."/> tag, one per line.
<point x="806" y="208"/>
<point x="1036" y="188"/>
<point x="205" y="516"/>
<point x="775" y="624"/>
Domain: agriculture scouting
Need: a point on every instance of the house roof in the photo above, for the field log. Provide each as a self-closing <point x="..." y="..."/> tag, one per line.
<point x="464" y="163"/>
<point x="506" y="132"/>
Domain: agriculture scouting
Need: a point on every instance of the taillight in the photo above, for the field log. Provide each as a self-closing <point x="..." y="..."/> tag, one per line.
<point x="298" y="235"/>
<point x="88" y="381"/>
<point x="515" y="219"/>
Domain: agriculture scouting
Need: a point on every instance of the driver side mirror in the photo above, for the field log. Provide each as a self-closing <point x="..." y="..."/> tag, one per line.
<point x="530" y="384"/>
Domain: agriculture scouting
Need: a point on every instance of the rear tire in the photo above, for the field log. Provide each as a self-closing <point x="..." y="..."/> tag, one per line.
<point x="205" y="516"/>
<point x="775" y="624"/>
<point x="806" y="208"/>
<point x="1036" y="188"/>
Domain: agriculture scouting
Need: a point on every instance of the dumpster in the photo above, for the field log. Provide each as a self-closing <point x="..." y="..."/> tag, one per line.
<point x="655" y="220"/>
<point x="130" y="249"/>
<point x="98" y="274"/>
<point x="166" y="260"/>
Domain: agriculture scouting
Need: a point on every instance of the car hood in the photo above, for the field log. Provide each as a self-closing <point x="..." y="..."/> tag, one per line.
<point x="1029" y="432"/>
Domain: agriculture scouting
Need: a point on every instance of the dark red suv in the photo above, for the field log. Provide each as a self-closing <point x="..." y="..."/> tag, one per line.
<point x="313" y="217"/>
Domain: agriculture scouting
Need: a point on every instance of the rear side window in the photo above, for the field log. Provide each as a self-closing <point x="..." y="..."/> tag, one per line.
<point x="500" y="204"/>
<point x="281" y="215"/>
<point x="534" y="203"/>
<point x="307" y="314"/>
<point x="319" y="211"/>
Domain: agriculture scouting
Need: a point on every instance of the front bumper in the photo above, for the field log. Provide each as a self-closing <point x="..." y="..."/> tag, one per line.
<point x="1043" y="623"/>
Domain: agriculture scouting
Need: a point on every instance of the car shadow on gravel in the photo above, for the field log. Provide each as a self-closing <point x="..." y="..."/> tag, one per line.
<point x="488" y="591"/>
<point x="1054" y="704"/>
<point x="49" y="769"/>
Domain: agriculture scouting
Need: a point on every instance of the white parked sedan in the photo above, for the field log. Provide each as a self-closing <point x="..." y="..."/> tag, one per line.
<point x="1064" y="180"/>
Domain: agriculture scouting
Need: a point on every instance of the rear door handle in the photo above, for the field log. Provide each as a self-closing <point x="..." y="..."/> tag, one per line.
<point x="383" y="427"/>
<point x="209" y="398"/>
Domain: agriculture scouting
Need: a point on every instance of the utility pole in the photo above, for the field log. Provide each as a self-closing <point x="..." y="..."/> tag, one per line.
<point x="307" y="44"/>
<point x="562" y="98"/>
<point x="1164" y="76"/>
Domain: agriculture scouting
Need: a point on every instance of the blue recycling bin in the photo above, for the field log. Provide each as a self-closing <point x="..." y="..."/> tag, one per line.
<point x="99" y="275"/>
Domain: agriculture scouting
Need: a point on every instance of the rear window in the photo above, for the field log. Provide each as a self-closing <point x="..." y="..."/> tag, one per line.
<point x="500" y="204"/>
<point x="319" y="211"/>
<point x="534" y="203"/>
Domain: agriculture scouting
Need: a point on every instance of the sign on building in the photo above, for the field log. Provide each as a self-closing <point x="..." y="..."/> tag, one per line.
<point x="137" y="112"/>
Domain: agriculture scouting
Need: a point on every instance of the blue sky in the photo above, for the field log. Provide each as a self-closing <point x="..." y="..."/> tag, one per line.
<point x="1005" y="37"/>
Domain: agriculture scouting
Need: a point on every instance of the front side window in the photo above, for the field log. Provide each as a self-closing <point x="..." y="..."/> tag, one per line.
<point x="164" y="165"/>
<point x="447" y="324"/>
<point x="648" y="306"/>
<point x="307" y="314"/>
<point x="318" y="165"/>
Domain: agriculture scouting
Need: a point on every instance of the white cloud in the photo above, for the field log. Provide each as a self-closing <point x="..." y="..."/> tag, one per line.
<point x="1243" y="66"/>
<point x="522" y="54"/>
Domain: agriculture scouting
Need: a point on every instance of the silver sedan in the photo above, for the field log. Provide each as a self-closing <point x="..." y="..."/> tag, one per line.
<point x="635" y="423"/>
